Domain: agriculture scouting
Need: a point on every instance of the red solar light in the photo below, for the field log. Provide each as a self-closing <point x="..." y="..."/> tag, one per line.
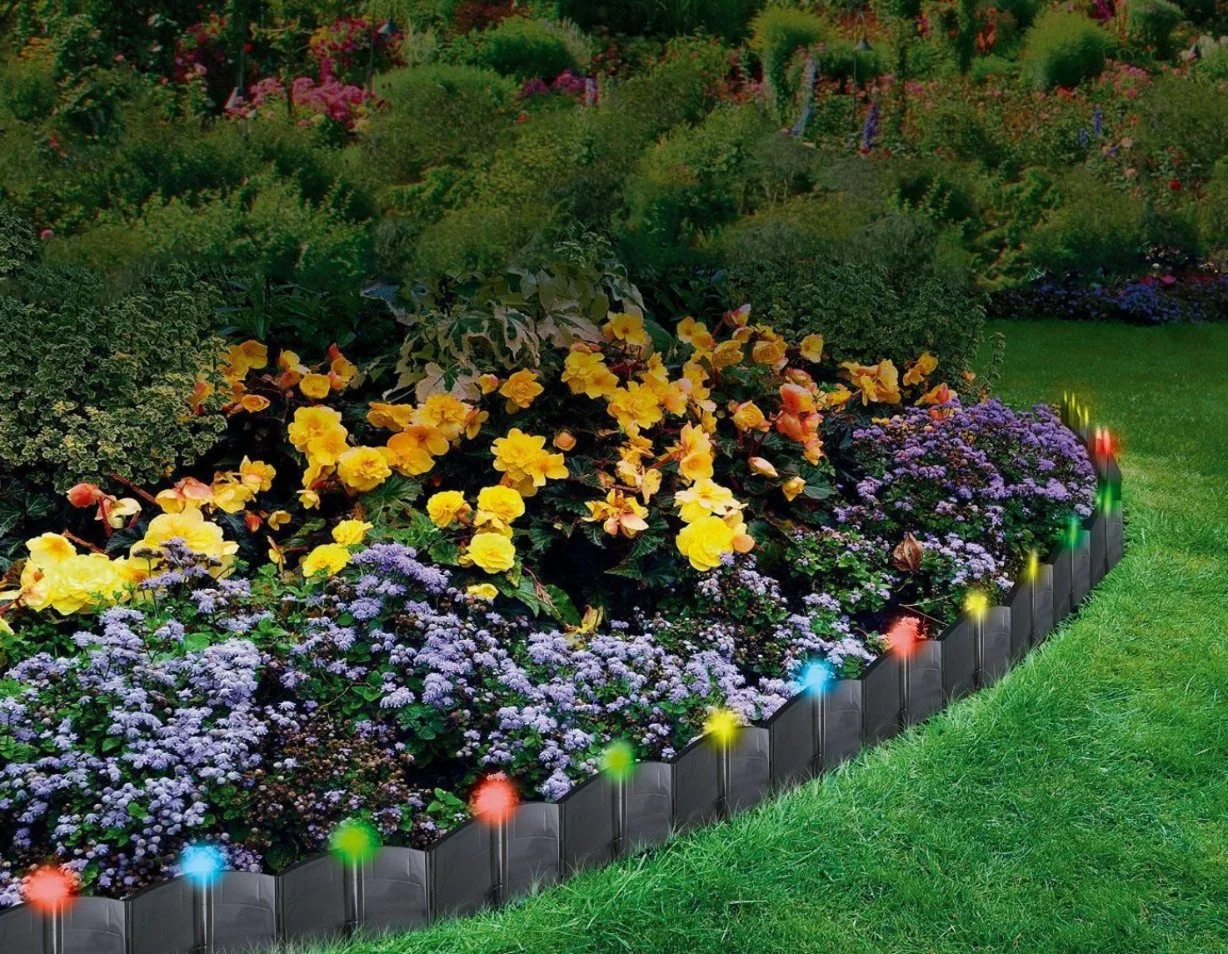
<point x="494" y="800"/>
<point x="903" y="635"/>
<point x="49" y="889"/>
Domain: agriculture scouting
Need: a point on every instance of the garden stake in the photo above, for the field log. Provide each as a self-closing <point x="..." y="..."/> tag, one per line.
<point x="48" y="891"/>
<point x="202" y="865"/>
<point x="816" y="680"/>
<point x="618" y="762"/>
<point x="493" y="803"/>
<point x="354" y="843"/>
<point x="977" y="606"/>
<point x="721" y="725"/>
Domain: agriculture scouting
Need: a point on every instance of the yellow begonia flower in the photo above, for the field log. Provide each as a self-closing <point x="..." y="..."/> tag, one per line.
<point x="278" y="519"/>
<point x="749" y="417"/>
<point x="694" y="452"/>
<point x="792" y="487"/>
<point x="308" y="499"/>
<point x="85" y="581"/>
<point x="726" y="354"/>
<point x="705" y="542"/>
<point x="444" y="413"/>
<point x="447" y="506"/>
<point x="487" y="384"/>
<point x="492" y="552"/>
<point x="634" y="407"/>
<point x="564" y="440"/>
<point x="315" y="386"/>
<point x="920" y="369"/>
<point x="502" y="502"/>
<point x="412" y="452"/>
<point x="248" y="356"/>
<point x="48" y="549"/>
<point x="876" y="382"/>
<point x="328" y="447"/>
<point x="187" y="493"/>
<point x="696" y="334"/>
<point x="704" y="498"/>
<point x="812" y="348"/>
<point x="521" y="389"/>
<point x="231" y="495"/>
<point x="363" y="468"/>
<point x="350" y="533"/>
<point x="254" y="403"/>
<point x="762" y="467"/>
<point x="618" y="514"/>
<point x="311" y="423"/>
<point x="191" y="527"/>
<point x="770" y="350"/>
<point x="585" y="372"/>
<point x="626" y="328"/>
<point x="342" y="371"/>
<point x="482" y="591"/>
<point x="525" y="460"/>
<point x="328" y="559"/>
<point x="256" y="474"/>
<point x="390" y="417"/>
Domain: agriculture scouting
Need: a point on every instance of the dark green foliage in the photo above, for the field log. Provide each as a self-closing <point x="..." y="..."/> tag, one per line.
<point x="1064" y="49"/>
<point x="1191" y="116"/>
<point x="1094" y="227"/>
<point x="1150" y="23"/>
<point x="692" y="182"/>
<point x="724" y="18"/>
<point x="525" y="49"/>
<point x="436" y="115"/>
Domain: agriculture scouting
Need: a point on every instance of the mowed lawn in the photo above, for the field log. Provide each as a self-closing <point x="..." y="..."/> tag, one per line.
<point x="1079" y="806"/>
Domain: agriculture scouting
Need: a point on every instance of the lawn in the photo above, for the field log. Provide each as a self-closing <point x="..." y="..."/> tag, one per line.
<point x="1080" y="805"/>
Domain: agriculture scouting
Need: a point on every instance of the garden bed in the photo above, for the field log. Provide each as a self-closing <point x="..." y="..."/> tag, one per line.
<point x="493" y="859"/>
<point x="740" y="520"/>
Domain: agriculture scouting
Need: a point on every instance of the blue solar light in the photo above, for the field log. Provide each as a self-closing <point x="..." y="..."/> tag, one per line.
<point x="202" y="864"/>
<point x="817" y="678"/>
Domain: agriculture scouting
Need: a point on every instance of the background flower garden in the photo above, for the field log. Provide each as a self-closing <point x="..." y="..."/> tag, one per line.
<point x="351" y="455"/>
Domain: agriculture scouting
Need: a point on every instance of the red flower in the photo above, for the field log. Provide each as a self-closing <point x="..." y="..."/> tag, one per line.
<point x="1175" y="185"/>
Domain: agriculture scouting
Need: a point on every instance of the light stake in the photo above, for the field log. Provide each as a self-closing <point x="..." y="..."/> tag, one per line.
<point x="618" y="762"/>
<point x="49" y="891"/>
<point x="817" y="678"/>
<point x="493" y="803"/>
<point x="722" y="725"/>
<point x="202" y="865"/>
<point x="354" y="843"/>
<point x="976" y="604"/>
<point x="1032" y="574"/>
<point x="902" y="637"/>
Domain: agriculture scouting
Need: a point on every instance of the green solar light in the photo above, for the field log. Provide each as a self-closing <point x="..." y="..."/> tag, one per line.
<point x="354" y="842"/>
<point x="618" y="760"/>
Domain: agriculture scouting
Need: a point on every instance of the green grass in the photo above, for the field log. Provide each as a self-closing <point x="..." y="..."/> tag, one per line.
<point x="1081" y="805"/>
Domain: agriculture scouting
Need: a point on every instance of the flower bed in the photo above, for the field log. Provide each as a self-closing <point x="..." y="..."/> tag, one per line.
<point x="396" y="600"/>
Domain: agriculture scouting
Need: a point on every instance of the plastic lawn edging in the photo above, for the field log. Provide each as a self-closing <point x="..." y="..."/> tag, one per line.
<point x="480" y="864"/>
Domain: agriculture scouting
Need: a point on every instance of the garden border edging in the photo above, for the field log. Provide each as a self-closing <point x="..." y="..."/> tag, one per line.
<point x="601" y="820"/>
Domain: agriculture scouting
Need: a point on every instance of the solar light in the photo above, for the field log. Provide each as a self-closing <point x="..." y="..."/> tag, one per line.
<point x="902" y="637"/>
<point x="493" y="803"/>
<point x="354" y="842"/>
<point x="49" y="890"/>
<point x="201" y="865"/>
<point x="976" y="605"/>
<point x="618" y="763"/>
<point x="816" y="681"/>
<point x="721" y="726"/>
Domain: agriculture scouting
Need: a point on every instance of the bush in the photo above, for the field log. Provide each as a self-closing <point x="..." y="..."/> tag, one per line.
<point x="1064" y="49"/>
<point x="1192" y="117"/>
<point x="693" y="182"/>
<point x="95" y="387"/>
<point x="863" y="309"/>
<point x="1213" y="65"/>
<point x="1093" y="228"/>
<point x="526" y="49"/>
<point x="407" y="136"/>
<point x="727" y="19"/>
<point x="777" y="34"/>
<point x="1150" y="23"/>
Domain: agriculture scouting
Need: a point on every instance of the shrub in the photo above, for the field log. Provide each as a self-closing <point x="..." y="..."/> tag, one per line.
<point x="1213" y="65"/>
<point x="407" y="137"/>
<point x="526" y="49"/>
<point x="1150" y="23"/>
<point x="101" y="387"/>
<point x="727" y="19"/>
<point x="692" y="182"/>
<point x="777" y="34"/>
<point x="1095" y="227"/>
<point x="1064" y="49"/>
<point x="1193" y="117"/>
<point x="863" y="309"/>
